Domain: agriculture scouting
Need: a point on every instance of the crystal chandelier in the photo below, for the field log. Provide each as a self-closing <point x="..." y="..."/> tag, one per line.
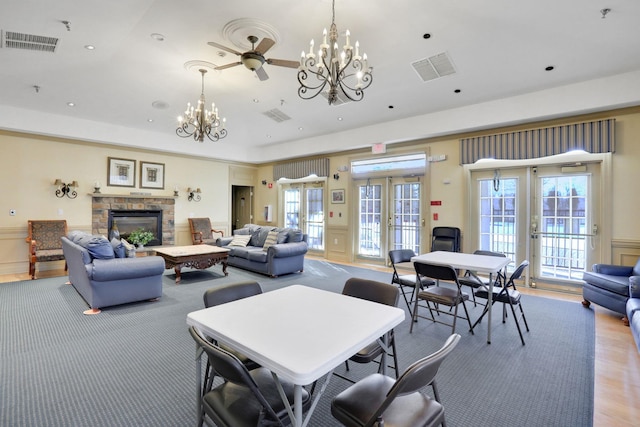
<point x="198" y="122"/>
<point x="338" y="72"/>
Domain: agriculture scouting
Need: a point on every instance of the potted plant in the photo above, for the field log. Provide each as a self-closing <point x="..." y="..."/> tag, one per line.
<point x="140" y="237"/>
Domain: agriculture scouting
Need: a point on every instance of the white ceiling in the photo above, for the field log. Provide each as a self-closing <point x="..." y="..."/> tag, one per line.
<point x="499" y="48"/>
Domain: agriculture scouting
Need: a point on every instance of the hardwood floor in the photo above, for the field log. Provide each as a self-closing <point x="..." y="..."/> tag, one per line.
<point x="617" y="361"/>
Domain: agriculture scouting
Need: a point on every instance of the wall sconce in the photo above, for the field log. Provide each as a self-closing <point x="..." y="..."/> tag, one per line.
<point x="336" y="176"/>
<point x="66" y="189"/>
<point x="194" y="194"/>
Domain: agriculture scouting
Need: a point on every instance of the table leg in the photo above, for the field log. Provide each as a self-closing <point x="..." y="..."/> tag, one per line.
<point x="199" y="419"/>
<point x="177" y="270"/>
<point x="224" y="267"/>
<point x="489" y="304"/>
<point x="297" y="405"/>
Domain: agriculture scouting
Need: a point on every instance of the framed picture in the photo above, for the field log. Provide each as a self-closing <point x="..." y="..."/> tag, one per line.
<point x="337" y="196"/>
<point x="152" y="175"/>
<point x="121" y="172"/>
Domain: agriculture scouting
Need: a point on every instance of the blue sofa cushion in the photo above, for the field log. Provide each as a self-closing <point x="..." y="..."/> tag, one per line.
<point x="283" y="235"/>
<point x="103" y="270"/>
<point x="257" y="256"/>
<point x="616" y="284"/>
<point x="99" y="247"/>
<point x="259" y="236"/>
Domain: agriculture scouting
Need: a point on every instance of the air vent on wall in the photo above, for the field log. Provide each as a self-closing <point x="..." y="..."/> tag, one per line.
<point x="276" y="115"/>
<point x="13" y="40"/>
<point x="434" y="67"/>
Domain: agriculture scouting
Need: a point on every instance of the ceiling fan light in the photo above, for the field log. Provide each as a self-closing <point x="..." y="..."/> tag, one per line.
<point x="252" y="61"/>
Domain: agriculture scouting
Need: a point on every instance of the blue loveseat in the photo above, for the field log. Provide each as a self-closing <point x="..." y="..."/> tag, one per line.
<point x="633" y="308"/>
<point x="104" y="279"/>
<point x="285" y="254"/>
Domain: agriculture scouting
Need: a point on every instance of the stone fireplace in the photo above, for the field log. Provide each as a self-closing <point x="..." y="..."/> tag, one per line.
<point x="139" y="211"/>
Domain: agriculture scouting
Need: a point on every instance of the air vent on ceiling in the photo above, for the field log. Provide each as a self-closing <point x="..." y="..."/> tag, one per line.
<point x="23" y="41"/>
<point x="276" y="115"/>
<point x="434" y="67"/>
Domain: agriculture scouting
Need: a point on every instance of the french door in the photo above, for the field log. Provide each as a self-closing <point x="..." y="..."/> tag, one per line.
<point x="548" y="215"/>
<point x="304" y="209"/>
<point x="389" y="217"/>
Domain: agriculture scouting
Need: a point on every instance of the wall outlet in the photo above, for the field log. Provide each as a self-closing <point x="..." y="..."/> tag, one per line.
<point x="12" y="212"/>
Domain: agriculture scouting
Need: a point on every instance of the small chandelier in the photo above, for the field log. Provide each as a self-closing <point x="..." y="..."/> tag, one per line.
<point x="198" y="122"/>
<point x="345" y="72"/>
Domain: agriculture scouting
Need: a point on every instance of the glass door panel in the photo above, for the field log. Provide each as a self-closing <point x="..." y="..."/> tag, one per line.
<point x="406" y="221"/>
<point x="314" y="214"/>
<point x="370" y="220"/>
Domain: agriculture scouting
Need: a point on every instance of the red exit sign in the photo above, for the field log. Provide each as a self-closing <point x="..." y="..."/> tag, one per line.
<point x="436" y="203"/>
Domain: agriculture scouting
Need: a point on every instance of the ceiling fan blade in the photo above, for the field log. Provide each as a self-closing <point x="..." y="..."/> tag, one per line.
<point x="283" y="63"/>
<point x="224" y="67"/>
<point x="262" y="74"/>
<point x="265" y="45"/>
<point x="228" y="49"/>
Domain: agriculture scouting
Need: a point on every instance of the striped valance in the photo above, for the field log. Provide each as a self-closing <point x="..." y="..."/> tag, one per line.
<point x="301" y="169"/>
<point x="593" y="137"/>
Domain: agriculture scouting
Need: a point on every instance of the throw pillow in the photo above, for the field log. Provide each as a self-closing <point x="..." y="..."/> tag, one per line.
<point x="240" y="240"/>
<point x="129" y="249"/>
<point x="283" y="235"/>
<point x="295" y="236"/>
<point x="272" y="239"/>
<point x="118" y="248"/>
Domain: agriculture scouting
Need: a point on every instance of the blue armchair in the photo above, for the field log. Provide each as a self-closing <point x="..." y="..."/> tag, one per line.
<point x="608" y="286"/>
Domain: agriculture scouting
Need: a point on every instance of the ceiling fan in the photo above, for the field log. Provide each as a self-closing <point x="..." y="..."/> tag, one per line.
<point x="254" y="59"/>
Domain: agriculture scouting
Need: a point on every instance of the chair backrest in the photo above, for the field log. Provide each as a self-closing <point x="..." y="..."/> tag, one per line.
<point x="439" y="272"/>
<point x="396" y="256"/>
<point x="231" y="292"/>
<point x="47" y="233"/>
<point x="201" y="225"/>
<point x="517" y="273"/>
<point x="231" y="369"/>
<point x="420" y="374"/>
<point x="371" y="290"/>
<point x="445" y="239"/>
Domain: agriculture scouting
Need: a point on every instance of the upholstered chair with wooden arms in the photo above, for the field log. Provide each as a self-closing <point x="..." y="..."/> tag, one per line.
<point x="43" y="237"/>
<point x="202" y="233"/>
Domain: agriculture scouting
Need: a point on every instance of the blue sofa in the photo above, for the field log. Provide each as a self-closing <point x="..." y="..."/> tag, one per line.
<point x="608" y="285"/>
<point x="104" y="279"/>
<point x="282" y="256"/>
<point x="633" y="308"/>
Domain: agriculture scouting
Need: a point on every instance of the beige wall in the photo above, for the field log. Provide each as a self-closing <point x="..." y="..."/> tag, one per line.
<point x="32" y="163"/>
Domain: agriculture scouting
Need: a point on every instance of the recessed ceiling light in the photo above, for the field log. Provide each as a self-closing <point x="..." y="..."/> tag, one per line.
<point x="426" y="36"/>
<point x="549" y="68"/>
<point x="300" y="128"/>
<point x="339" y="119"/>
<point x="268" y="136"/>
<point x="89" y="47"/>
<point x="71" y="104"/>
<point x="457" y="91"/>
<point x="150" y="120"/>
<point x="391" y="107"/>
<point x="256" y="100"/>
<point x="157" y="36"/>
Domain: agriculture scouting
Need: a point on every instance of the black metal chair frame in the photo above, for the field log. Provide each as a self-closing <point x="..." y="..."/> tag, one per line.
<point x="240" y="383"/>
<point x="406" y="282"/>
<point x="382" y="293"/>
<point x="507" y="295"/>
<point x="373" y="398"/>
<point x="472" y="280"/>
<point x="440" y="295"/>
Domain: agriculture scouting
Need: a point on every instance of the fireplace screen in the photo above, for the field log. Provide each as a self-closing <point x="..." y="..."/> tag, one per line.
<point x="130" y="220"/>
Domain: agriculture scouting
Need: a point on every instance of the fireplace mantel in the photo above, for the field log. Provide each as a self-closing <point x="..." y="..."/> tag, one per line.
<point x="132" y="196"/>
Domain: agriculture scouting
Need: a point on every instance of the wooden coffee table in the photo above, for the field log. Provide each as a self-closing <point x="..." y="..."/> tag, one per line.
<point x="195" y="256"/>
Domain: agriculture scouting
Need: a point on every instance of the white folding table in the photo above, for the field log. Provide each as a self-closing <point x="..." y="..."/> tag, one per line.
<point x="479" y="263"/>
<point x="299" y="333"/>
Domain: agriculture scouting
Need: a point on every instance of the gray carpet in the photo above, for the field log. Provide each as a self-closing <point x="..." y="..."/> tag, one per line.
<point x="133" y="365"/>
